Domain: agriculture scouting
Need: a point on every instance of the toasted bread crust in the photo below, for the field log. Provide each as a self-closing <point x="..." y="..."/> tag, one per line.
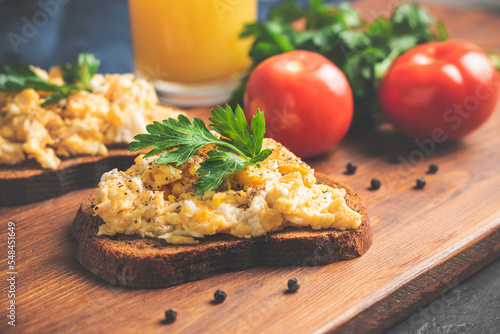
<point x="153" y="263"/>
<point x="28" y="182"/>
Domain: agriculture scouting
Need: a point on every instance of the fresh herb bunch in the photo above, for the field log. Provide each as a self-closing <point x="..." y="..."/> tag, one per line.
<point x="238" y="147"/>
<point x="363" y="51"/>
<point x="76" y="77"/>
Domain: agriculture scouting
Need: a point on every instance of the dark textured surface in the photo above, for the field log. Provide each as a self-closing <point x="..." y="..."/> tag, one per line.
<point x="473" y="306"/>
<point x="63" y="31"/>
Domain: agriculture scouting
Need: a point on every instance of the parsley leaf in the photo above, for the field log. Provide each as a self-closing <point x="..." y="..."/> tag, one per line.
<point x="55" y="98"/>
<point x="235" y="127"/>
<point x="216" y="168"/>
<point x="239" y="145"/>
<point x="495" y="58"/>
<point x="82" y="71"/>
<point x="20" y="76"/>
<point x="77" y="77"/>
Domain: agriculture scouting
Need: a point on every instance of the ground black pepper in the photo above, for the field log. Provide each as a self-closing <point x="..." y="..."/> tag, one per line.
<point x="375" y="184"/>
<point x="219" y="296"/>
<point x="293" y="284"/>
<point x="433" y="169"/>
<point x="420" y="183"/>
<point x="170" y="316"/>
<point x="351" y="167"/>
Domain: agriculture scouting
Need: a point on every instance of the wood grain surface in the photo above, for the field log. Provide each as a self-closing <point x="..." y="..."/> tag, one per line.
<point x="425" y="241"/>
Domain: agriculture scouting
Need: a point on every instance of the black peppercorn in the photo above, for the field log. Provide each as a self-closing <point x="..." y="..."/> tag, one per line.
<point x="170" y="316"/>
<point x="420" y="183"/>
<point x="293" y="284"/>
<point x="219" y="296"/>
<point x="351" y="167"/>
<point x="396" y="159"/>
<point x="375" y="184"/>
<point x="432" y="169"/>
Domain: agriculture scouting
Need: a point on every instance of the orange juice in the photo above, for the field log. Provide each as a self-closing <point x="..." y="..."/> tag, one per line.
<point x="190" y="41"/>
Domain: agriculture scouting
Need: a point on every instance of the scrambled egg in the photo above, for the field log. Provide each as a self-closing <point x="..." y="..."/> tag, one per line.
<point x="118" y="108"/>
<point x="159" y="201"/>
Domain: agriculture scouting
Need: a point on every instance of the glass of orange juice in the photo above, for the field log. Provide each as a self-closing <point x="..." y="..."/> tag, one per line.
<point x="190" y="49"/>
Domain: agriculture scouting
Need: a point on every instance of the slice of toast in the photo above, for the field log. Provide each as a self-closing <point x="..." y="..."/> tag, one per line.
<point x="28" y="182"/>
<point x="153" y="263"/>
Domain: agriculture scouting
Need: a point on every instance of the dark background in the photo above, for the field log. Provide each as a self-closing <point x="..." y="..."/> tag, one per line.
<point x="59" y="30"/>
<point x="66" y="28"/>
<point x="70" y="27"/>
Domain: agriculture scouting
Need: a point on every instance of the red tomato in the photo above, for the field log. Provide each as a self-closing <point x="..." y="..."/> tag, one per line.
<point x="440" y="90"/>
<point x="305" y="98"/>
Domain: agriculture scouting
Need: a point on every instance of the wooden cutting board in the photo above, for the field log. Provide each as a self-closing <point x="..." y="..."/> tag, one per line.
<point x="425" y="241"/>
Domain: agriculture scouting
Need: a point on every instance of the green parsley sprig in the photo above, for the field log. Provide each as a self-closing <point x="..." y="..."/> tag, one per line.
<point x="238" y="147"/>
<point x="362" y="50"/>
<point x="76" y="77"/>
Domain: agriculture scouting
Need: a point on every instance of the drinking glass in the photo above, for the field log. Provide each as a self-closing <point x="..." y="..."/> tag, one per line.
<point x="190" y="49"/>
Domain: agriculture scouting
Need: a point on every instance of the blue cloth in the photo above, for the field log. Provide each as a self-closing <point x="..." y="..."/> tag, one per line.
<point x="50" y="32"/>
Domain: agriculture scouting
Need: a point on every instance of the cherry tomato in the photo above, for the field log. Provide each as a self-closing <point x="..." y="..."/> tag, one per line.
<point x="305" y="98"/>
<point x="440" y="90"/>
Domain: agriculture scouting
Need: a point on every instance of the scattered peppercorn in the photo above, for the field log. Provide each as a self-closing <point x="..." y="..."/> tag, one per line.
<point x="420" y="183"/>
<point x="293" y="284"/>
<point x="396" y="159"/>
<point x="375" y="184"/>
<point x="351" y="167"/>
<point x="219" y="296"/>
<point x="170" y="316"/>
<point x="432" y="169"/>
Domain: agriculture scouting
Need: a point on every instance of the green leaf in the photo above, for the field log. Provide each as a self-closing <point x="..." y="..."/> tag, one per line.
<point x="219" y="166"/>
<point x="171" y="133"/>
<point x="411" y="14"/>
<point x="180" y="156"/>
<point x="20" y="70"/>
<point x="88" y="67"/>
<point x="404" y="42"/>
<point x="260" y="157"/>
<point x="176" y="140"/>
<point x="54" y="99"/>
<point x="81" y="72"/>
<point x="258" y="127"/>
<point x="494" y="57"/>
<point x="263" y="50"/>
<point x="382" y="66"/>
<point x="354" y="39"/>
<point x="442" y="32"/>
<point x="286" y="13"/>
<point x="275" y="31"/>
<point x="348" y="16"/>
<point x="69" y="73"/>
<point x="20" y="76"/>
<point x="318" y="14"/>
<point x="235" y="127"/>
